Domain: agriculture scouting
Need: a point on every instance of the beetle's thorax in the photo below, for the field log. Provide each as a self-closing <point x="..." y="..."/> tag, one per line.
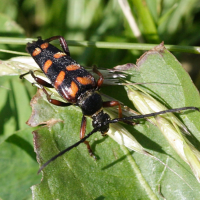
<point x="90" y="102"/>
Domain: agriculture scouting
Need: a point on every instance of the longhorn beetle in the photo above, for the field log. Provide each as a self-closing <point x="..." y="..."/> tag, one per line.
<point x="78" y="87"/>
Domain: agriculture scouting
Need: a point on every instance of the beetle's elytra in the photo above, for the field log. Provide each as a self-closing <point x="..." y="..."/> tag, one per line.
<point x="78" y="87"/>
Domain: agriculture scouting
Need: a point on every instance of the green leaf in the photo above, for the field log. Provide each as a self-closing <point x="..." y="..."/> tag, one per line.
<point x="76" y="175"/>
<point x="145" y="20"/>
<point x="17" y="158"/>
<point x="14" y="106"/>
<point x="9" y="26"/>
<point x="169" y="83"/>
<point x="18" y="166"/>
<point x="117" y="173"/>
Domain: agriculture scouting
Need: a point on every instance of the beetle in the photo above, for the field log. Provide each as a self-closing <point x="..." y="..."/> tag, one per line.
<point x="78" y="87"/>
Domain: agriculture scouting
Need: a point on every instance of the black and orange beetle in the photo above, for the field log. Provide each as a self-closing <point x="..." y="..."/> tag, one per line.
<point x="78" y="87"/>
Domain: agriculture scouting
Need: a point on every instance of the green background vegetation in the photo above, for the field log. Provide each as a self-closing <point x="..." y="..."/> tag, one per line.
<point x="175" y="22"/>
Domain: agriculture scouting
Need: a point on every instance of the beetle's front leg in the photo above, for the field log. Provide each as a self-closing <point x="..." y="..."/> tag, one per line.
<point x="82" y="135"/>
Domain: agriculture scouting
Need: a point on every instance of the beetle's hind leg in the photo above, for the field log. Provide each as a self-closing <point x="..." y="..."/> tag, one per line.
<point x="42" y="83"/>
<point x="63" y="43"/>
<point x="37" y="80"/>
<point x="54" y="101"/>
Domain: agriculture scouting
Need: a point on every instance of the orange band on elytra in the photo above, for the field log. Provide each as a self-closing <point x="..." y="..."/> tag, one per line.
<point x="46" y="66"/>
<point x="59" y="55"/>
<point x="84" y="80"/>
<point x="36" y="52"/>
<point x="44" y="45"/>
<point x="73" y="89"/>
<point x="59" y="79"/>
<point x="72" y="67"/>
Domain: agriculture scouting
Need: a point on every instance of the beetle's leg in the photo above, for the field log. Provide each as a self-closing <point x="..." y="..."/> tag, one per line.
<point x="22" y="75"/>
<point x="42" y="83"/>
<point x="100" y="80"/>
<point x="116" y="103"/>
<point x="54" y="101"/>
<point x="63" y="43"/>
<point x="82" y="135"/>
<point x="113" y="103"/>
<point x="108" y="103"/>
<point x="38" y="80"/>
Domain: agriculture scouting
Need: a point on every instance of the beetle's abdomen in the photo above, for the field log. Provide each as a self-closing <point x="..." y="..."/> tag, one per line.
<point x="69" y="78"/>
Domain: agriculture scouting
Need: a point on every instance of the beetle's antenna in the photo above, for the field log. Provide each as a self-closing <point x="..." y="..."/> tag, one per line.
<point x="68" y="149"/>
<point x="152" y="114"/>
<point x="114" y="121"/>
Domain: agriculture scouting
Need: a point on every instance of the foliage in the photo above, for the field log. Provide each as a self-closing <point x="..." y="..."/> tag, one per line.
<point x="174" y="22"/>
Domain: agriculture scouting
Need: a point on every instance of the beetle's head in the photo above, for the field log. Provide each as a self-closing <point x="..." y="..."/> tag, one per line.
<point x="101" y="120"/>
